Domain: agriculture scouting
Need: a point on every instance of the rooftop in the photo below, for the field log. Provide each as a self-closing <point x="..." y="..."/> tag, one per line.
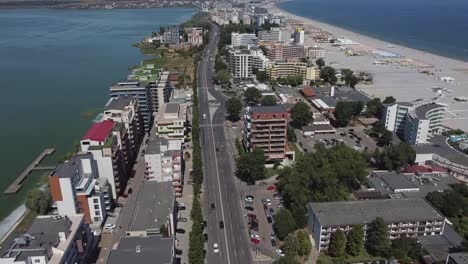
<point x="314" y="128"/>
<point x="118" y="103"/>
<point x="99" y="131"/>
<point x="269" y="109"/>
<point x="392" y="180"/>
<point x="364" y="212"/>
<point x="172" y="108"/>
<point x="155" y="204"/>
<point x="72" y="166"/>
<point x="152" y="249"/>
<point x="459" y="258"/>
<point x="438" y="145"/>
<point x="421" y="111"/>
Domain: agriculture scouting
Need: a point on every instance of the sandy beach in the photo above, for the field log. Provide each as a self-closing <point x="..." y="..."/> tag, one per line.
<point x="401" y="75"/>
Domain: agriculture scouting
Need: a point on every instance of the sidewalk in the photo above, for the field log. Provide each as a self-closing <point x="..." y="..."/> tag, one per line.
<point x="182" y="240"/>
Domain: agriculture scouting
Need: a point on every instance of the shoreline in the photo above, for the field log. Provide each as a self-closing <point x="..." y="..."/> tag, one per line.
<point x="414" y="74"/>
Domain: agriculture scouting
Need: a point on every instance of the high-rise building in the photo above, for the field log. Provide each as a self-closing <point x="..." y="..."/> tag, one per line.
<point x="243" y="39"/>
<point x="171" y="121"/>
<point x="278" y="52"/>
<point x="171" y="35"/>
<point x="142" y="93"/>
<point x="160" y="92"/>
<point x="299" y="36"/>
<point x="195" y="35"/>
<point x="77" y="188"/>
<point x="282" y="69"/>
<point x="266" y="128"/>
<point x="314" y="53"/>
<point x="103" y="141"/>
<point x="241" y="63"/>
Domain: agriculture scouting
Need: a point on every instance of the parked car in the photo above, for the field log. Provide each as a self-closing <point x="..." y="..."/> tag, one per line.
<point x="109" y="226"/>
<point x="215" y="248"/>
<point x="249" y="208"/>
<point x="249" y="198"/>
<point x="273" y="242"/>
<point x="180" y="231"/>
<point x="178" y="251"/>
<point x="182" y="219"/>
<point x="221" y="224"/>
<point x="268" y="201"/>
<point x="280" y="252"/>
<point x="253" y="228"/>
<point x="204" y="223"/>
<point x="212" y="206"/>
<point x="256" y="236"/>
<point x="271" y="211"/>
<point x="269" y="219"/>
<point x="130" y="190"/>
<point x="206" y="237"/>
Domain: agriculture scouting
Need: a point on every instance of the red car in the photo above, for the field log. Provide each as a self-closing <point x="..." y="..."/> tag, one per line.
<point x="271" y="188"/>
<point x="254" y="240"/>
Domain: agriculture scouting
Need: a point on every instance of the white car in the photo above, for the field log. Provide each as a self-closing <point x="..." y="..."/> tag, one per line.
<point x="280" y="252"/>
<point x="268" y="201"/>
<point x="109" y="226"/>
<point x="215" y="248"/>
<point x="256" y="236"/>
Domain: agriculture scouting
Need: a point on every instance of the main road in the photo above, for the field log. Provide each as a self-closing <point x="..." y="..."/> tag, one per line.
<point x="220" y="185"/>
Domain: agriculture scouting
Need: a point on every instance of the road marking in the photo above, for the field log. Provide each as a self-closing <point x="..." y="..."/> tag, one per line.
<point x="217" y="176"/>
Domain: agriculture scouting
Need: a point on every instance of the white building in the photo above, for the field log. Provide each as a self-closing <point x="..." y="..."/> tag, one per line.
<point x="275" y="34"/>
<point x="241" y="63"/>
<point x="314" y="53"/>
<point x="243" y="39"/>
<point x="171" y="121"/>
<point x="299" y="36"/>
<point x="195" y="35"/>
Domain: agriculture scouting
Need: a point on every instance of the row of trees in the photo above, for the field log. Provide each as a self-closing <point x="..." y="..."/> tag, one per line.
<point x="345" y="111"/>
<point x="405" y="249"/>
<point x="394" y="157"/>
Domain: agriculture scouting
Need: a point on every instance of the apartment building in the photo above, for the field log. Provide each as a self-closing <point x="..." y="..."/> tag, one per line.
<point x="171" y="35"/>
<point x="299" y="36"/>
<point x="282" y="69"/>
<point x="275" y="34"/>
<point x="195" y="35"/>
<point x="76" y="188"/>
<point x="171" y="121"/>
<point x="278" y="52"/>
<point x="411" y="216"/>
<point x="314" y="53"/>
<point x="266" y="128"/>
<point x="243" y="39"/>
<point x="144" y="250"/>
<point x="104" y="143"/>
<point x="416" y="122"/>
<point x="259" y="60"/>
<point x="124" y="110"/>
<point x="159" y="92"/>
<point x="163" y="161"/>
<point x="141" y="92"/>
<point x="50" y="240"/>
<point x="241" y="63"/>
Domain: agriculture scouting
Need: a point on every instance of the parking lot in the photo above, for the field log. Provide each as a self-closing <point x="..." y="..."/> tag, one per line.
<point x="352" y="137"/>
<point x="263" y="208"/>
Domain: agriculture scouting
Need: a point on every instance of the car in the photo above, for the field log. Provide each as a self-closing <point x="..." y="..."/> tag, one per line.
<point x="249" y="208"/>
<point x="253" y="228"/>
<point x="212" y="206"/>
<point x="271" y="211"/>
<point x="280" y="205"/>
<point x="249" y="198"/>
<point x="273" y="242"/>
<point x="271" y="188"/>
<point x="351" y="130"/>
<point x="268" y="201"/>
<point x="256" y="236"/>
<point x="273" y="235"/>
<point x="180" y="231"/>
<point x="180" y="207"/>
<point x="109" y="226"/>
<point x="234" y="126"/>
<point x="254" y="240"/>
<point x="130" y="190"/>
<point x="181" y="219"/>
<point x="204" y="223"/>
<point x="269" y="219"/>
<point x="342" y="134"/>
<point x="178" y="251"/>
<point x="119" y="205"/>
<point x="280" y="252"/>
<point x="217" y="149"/>
<point x="206" y="237"/>
<point x="215" y="248"/>
<point x="221" y="224"/>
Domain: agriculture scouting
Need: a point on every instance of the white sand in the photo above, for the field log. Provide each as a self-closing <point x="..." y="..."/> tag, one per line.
<point x="403" y="82"/>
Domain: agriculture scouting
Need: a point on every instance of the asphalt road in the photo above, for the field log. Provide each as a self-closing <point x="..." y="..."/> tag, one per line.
<point x="220" y="185"/>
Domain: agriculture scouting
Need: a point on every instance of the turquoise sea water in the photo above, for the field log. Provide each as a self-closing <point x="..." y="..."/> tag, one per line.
<point x="436" y="26"/>
<point x="55" y="65"/>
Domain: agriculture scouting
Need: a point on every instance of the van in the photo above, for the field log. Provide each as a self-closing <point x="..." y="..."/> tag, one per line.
<point x="204" y="116"/>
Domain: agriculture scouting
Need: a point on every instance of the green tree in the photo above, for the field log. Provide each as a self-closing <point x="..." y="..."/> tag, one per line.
<point x="269" y="100"/>
<point x="320" y="63"/>
<point x="353" y="81"/>
<point x="406" y="249"/>
<point x="39" y="201"/>
<point x="374" y="107"/>
<point x="337" y="245"/>
<point x="222" y="76"/>
<point x="286" y="260"/>
<point x="344" y="112"/>
<point x="355" y="240"/>
<point x="389" y="100"/>
<point x="261" y="76"/>
<point x="301" y="115"/>
<point x="328" y="74"/>
<point x="252" y="94"/>
<point x="346" y="76"/>
<point x="305" y="246"/>
<point x="251" y="166"/>
<point x="385" y="138"/>
<point x="233" y="108"/>
<point x="377" y="242"/>
<point x="284" y="223"/>
<point x="291" y="245"/>
<point x="394" y="157"/>
<point x="291" y="135"/>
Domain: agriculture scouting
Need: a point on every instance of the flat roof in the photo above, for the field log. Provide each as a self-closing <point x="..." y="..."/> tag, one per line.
<point x="70" y="167"/>
<point x="153" y="249"/>
<point x="422" y="110"/>
<point x="459" y="258"/>
<point x="269" y="109"/>
<point x="438" y="145"/>
<point x="314" y="128"/>
<point x="393" y="180"/>
<point x="155" y="204"/>
<point x="364" y="212"/>
<point x="118" y="103"/>
<point x="172" y="108"/>
<point x="99" y="131"/>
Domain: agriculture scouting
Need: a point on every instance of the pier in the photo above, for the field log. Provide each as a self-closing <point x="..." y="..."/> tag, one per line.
<point x="17" y="184"/>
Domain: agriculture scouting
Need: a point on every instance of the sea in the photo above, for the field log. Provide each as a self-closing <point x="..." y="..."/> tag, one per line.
<point x="439" y="27"/>
<point x="56" y="67"/>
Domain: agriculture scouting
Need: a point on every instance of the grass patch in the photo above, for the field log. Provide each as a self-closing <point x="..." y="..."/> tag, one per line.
<point x="173" y="61"/>
<point x="363" y="257"/>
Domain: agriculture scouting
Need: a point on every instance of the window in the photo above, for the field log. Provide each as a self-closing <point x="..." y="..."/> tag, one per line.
<point x="97" y="219"/>
<point x="96" y="200"/>
<point x="96" y="206"/>
<point x="97" y="212"/>
<point x="37" y="261"/>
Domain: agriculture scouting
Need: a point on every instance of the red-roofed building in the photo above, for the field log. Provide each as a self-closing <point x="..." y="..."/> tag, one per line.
<point x="417" y="169"/>
<point x="97" y="134"/>
<point x="308" y="92"/>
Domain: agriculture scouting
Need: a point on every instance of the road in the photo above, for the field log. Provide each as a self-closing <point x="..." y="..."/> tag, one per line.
<point x="220" y="185"/>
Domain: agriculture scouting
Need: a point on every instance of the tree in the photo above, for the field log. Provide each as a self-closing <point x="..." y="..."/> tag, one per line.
<point x="385" y="138"/>
<point x="39" y="201"/>
<point x="389" y="100"/>
<point x="377" y="242"/>
<point x="406" y="249"/>
<point x="291" y="135"/>
<point x="291" y="245"/>
<point x="320" y="63"/>
<point x="284" y="223"/>
<point x="305" y="246"/>
<point x="251" y="166"/>
<point x="233" y="108"/>
<point x="286" y="260"/>
<point x="337" y="245"/>
<point x="163" y="230"/>
<point x="345" y="110"/>
<point x="394" y="157"/>
<point x="261" y="76"/>
<point x="328" y="74"/>
<point x="301" y="115"/>
<point x="269" y="100"/>
<point x="355" y="240"/>
<point x="374" y="107"/>
<point x="222" y="76"/>
<point x="353" y="81"/>
<point x="346" y="76"/>
<point x="252" y="94"/>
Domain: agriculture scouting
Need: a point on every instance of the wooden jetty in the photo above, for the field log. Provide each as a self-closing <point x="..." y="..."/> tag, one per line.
<point x="17" y="184"/>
